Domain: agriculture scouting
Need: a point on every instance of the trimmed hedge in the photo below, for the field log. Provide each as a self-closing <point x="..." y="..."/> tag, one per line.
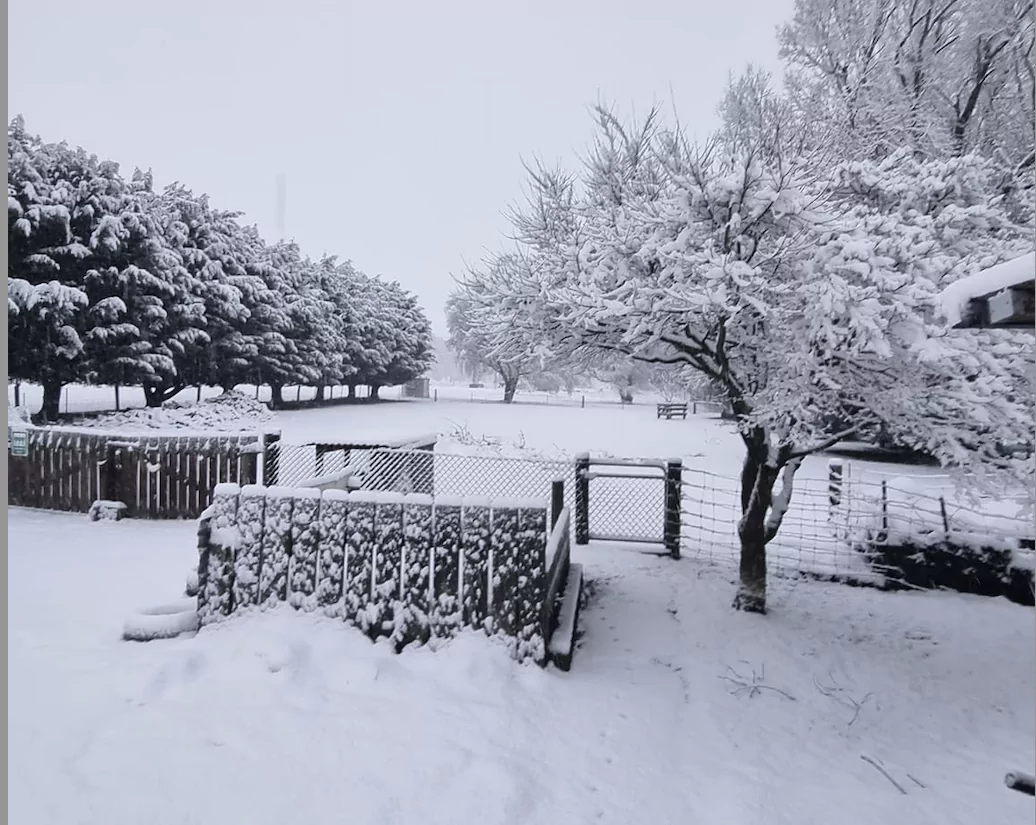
<point x="934" y="560"/>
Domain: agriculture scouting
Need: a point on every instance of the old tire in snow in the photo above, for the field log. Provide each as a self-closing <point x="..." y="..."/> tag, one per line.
<point x="165" y="621"/>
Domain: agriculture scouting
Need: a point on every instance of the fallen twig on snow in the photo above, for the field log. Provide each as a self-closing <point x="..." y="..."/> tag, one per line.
<point x="754" y="686"/>
<point x="837" y="692"/>
<point x="884" y="772"/>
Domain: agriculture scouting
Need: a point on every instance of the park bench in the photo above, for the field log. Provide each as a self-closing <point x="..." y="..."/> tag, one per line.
<point x="671" y="410"/>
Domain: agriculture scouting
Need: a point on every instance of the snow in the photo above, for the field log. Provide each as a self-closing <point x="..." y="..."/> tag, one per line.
<point x="162" y="622"/>
<point x="557" y="536"/>
<point x="953" y="300"/>
<point x="449" y="501"/>
<point x="229" y="412"/>
<point x="377" y="497"/>
<point x="562" y="639"/>
<point x="476" y="501"/>
<point x="306" y="494"/>
<point x="281" y="716"/>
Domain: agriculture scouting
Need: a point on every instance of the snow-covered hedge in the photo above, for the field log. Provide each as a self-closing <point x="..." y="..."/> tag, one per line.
<point x="408" y="568"/>
<point x="964" y="562"/>
<point x="229" y="412"/>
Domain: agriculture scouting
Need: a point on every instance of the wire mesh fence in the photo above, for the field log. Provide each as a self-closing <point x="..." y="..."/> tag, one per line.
<point x="290" y="464"/>
<point x="833" y="526"/>
<point x="446" y="474"/>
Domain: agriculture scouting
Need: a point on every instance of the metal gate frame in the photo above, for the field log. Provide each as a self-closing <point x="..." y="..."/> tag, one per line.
<point x="670" y="474"/>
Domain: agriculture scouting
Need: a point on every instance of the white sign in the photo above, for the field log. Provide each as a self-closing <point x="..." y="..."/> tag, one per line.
<point x="18" y="442"/>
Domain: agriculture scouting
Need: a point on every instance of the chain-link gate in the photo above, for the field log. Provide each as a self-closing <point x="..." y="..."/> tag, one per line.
<point x="636" y="500"/>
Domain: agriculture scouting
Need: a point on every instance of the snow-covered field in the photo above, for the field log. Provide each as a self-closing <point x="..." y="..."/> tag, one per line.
<point x="292" y="717"/>
<point x="289" y="717"/>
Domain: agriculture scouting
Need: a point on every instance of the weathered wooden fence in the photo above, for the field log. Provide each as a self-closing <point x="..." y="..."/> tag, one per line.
<point x="402" y="567"/>
<point x="154" y="476"/>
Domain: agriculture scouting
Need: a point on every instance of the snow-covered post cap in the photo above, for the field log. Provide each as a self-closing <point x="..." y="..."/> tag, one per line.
<point x="952" y="302"/>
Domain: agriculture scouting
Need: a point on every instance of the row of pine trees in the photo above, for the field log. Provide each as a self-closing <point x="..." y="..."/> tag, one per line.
<point x="113" y="282"/>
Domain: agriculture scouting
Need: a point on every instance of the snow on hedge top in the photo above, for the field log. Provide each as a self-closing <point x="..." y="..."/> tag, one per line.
<point x="17" y="415"/>
<point x="230" y="412"/>
<point x="954" y="299"/>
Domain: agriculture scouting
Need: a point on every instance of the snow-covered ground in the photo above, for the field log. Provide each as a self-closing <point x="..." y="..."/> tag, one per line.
<point x="81" y="398"/>
<point x="289" y="717"/>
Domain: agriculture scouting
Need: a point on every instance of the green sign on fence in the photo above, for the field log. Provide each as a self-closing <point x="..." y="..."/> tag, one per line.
<point x="18" y="442"/>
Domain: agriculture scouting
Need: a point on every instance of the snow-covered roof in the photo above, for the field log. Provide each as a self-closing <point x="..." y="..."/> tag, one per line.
<point x="955" y="298"/>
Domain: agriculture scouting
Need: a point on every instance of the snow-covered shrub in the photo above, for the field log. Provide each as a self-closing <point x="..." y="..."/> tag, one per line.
<point x="964" y="562"/>
<point x="215" y="598"/>
<point x="229" y="412"/>
<point x="400" y="567"/>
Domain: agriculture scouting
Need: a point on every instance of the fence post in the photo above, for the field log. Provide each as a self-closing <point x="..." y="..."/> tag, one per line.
<point x="271" y="449"/>
<point x="884" y="507"/>
<point x="834" y="485"/>
<point x="673" y="484"/>
<point x="320" y="451"/>
<point x="249" y="466"/>
<point x="582" y="403"/>
<point x="557" y="500"/>
<point x="112" y="476"/>
<point x="582" y="498"/>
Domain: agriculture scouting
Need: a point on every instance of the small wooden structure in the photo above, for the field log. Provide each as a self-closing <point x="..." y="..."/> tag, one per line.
<point x="670" y="410"/>
<point x="1000" y="297"/>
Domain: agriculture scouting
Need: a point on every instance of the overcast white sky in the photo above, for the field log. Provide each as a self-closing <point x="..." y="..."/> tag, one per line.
<point x="400" y="126"/>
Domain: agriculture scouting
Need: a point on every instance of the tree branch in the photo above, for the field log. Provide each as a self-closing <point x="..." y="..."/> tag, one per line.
<point x="825" y="444"/>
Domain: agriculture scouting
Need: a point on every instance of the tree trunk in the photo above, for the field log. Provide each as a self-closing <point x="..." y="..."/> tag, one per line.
<point x="320" y="392"/>
<point x="51" y="400"/>
<point x="757" y="480"/>
<point x="157" y="395"/>
<point x="352" y="391"/>
<point x="117" y="405"/>
<point x="276" y="396"/>
<point x="375" y="390"/>
<point x="626" y="395"/>
<point x="510" y="387"/>
<point x="17" y="393"/>
<point x="197" y="394"/>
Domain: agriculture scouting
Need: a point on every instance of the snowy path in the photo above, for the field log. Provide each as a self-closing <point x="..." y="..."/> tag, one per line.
<point x="286" y="717"/>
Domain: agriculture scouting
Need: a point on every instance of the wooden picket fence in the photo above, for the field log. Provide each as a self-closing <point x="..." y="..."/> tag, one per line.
<point x="402" y="567"/>
<point x="154" y="476"/>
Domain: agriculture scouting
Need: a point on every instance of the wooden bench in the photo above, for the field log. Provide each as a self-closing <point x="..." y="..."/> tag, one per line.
<point x="671" y="410"/>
